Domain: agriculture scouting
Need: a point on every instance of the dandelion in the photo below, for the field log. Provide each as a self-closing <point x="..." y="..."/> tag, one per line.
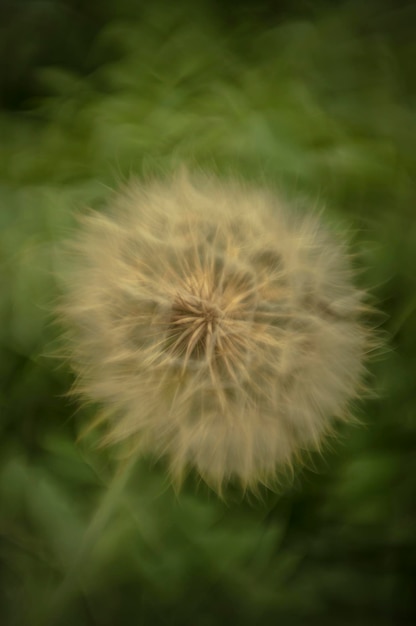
<point x="214" y="326"/>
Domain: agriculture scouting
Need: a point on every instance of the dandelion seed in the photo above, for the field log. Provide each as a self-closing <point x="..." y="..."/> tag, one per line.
<point x="216" y="328"/>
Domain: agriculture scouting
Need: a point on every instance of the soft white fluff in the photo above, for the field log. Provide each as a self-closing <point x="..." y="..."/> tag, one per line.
<point x="215" y="327"/>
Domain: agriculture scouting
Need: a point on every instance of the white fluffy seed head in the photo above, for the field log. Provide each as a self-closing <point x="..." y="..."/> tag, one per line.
<point x="215" y="327"/>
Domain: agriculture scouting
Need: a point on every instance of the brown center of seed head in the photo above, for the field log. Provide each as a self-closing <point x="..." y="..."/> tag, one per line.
<point x="207" y="323"/>
<point x="192" y="328"/>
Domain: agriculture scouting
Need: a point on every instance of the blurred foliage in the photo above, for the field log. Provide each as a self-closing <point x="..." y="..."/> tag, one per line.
<point x="317" y="99"/>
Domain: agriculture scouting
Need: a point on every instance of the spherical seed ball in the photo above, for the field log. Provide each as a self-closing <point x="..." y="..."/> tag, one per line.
<point x="215" y="326"/>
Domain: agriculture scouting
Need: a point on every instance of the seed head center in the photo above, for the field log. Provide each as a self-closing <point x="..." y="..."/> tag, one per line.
<point x="193" y="325"/>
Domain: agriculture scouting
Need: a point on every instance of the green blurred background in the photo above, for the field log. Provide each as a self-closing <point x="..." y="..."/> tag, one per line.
<point x="316" y="98"/>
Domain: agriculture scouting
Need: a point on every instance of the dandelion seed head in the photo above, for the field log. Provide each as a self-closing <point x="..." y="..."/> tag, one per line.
<point x="215" y="327"/>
